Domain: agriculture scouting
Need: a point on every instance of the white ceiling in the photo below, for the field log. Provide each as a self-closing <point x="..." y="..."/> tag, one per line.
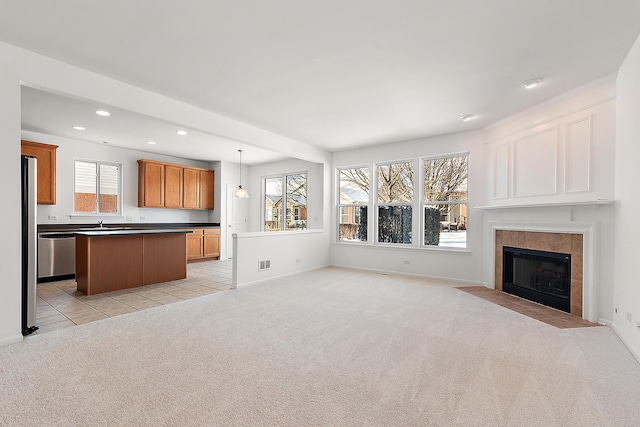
<point x="335" y="74"/>
<point x="53" y="114"/>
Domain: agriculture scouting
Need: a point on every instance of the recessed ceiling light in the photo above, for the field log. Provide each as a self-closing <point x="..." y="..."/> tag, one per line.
<point x="467" y="117"/>
<point x="104" y="142"/>
<point x="181" y="132"/>
<point x="530" y="84"/>
<point x="103" y="113"/>
<point x="79" y="128"/>
<point x="151" y="142"/>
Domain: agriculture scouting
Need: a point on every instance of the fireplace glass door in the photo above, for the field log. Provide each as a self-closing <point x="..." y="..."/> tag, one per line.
<point x="539" y="276"/>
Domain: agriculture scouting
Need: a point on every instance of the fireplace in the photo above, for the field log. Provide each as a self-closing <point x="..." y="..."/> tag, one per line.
<point x="572" y="244"/>
<point x="539" y="276"/>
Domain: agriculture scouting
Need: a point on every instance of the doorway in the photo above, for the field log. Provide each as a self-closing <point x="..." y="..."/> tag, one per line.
<point x="237" y="212"/>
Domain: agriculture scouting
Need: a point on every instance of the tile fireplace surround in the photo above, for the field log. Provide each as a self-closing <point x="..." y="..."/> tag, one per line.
<point x="578" y="238"/>
<point x="567" y="243"/>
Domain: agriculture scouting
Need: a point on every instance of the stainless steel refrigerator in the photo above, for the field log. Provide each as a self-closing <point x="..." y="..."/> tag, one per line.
<point x="29" y="243"/>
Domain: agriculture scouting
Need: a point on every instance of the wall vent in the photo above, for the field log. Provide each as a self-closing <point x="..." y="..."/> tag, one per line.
<point x="264" y="265"/>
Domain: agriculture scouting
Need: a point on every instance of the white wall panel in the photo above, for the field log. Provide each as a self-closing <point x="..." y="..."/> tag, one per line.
<point x="501" y="172"/>
<point x="578" y="156"/>
<point x="559" y="152"/>
<point x="535" y="163"/>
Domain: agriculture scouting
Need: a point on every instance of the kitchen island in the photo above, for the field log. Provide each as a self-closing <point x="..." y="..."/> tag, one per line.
<point x="114" y="259"/>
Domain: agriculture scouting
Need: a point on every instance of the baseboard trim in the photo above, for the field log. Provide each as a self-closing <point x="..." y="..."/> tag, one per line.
<point x="423" y="276"/>
<point x="625" y="342"/>
<point x="605" y="322"/>
<point x="11" y="340"/>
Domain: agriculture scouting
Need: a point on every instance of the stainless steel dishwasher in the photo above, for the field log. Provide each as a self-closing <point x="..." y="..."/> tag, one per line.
<point x="56" y="256"/>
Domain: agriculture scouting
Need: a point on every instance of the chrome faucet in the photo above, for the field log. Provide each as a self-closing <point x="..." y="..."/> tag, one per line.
<point x="100" y="223"/>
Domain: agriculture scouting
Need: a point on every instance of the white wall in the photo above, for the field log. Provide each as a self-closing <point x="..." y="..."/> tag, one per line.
<point x="10" y="271"/>
<point x="627" y="230"/>
<point x="289" y="252"/>
<point x="457" y="265"/>
<point x="594" y="102"/>
<point x="70" y="150"/>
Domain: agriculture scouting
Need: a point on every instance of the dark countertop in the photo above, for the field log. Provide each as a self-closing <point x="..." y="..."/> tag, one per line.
<point x="127" y="232"/>
<point x="127" y="225"/>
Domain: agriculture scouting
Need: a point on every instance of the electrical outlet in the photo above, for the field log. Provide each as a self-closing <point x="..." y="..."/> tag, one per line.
<point x="53" y="217"/>
<point x="406" y="262"/>
<point x="298" y="260"/>
<point x="129" y="218"/>
<point x="628" y="317"/>
<point x="142" y="218"/>
<point x="184" y="218"/>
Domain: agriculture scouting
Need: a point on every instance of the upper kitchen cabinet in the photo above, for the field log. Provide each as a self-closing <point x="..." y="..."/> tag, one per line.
<point x="190" y="189"/>
<point x="166" y="185"/>
<point x="173" y="185"/>
<point x="206" y="189"/>
<point x="150" y="184"/>
<point x="46" y="155"/>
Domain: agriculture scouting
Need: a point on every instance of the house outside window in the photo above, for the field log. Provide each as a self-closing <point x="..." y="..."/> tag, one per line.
<point x="395" y="202"/>
<point x="353" y="185"/>
<point x="97" y="188"/>
<point x="445" y="201"/>
<point x="291" y="188"/>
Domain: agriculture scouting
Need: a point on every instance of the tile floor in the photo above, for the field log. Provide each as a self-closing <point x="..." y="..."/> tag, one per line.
<point x="545" y="314"/>
<point x="60" y="305"/>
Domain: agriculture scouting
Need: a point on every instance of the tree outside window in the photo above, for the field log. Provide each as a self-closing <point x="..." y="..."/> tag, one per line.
<point x="97" y="187"/>
<point x="445" y="200"/>
<point x="353" y="184"/>
<point x="395" y="202"/>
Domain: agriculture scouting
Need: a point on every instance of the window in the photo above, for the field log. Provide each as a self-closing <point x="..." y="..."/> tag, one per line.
<point x="395" y="202"/>
<point x="353" y="187"/>
<point x="444" y="203"/>
<point x="295" y="199"/>
<point x="97" y="187"/>
<point x="272" y="202"/>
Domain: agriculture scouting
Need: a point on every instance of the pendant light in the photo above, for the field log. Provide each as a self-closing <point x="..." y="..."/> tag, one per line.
<point x="240" y="192"/>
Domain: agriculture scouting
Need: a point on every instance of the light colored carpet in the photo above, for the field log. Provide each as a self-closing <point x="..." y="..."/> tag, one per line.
<point x="330" y="347"/>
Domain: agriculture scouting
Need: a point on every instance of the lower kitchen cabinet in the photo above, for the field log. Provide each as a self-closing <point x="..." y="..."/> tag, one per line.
<point x="211" y="243"/>
<point x="203" y="244"/>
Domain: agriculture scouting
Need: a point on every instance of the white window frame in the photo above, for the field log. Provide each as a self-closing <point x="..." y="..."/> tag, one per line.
<point x="424" y="203"/>
<point x="353" y="205"/>
<point x="98" y="163"/>
<point x="377" y="204"/>
<point x="283" y="208"/>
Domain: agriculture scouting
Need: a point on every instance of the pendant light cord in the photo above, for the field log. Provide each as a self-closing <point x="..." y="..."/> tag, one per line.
<point x="240" y="151"/>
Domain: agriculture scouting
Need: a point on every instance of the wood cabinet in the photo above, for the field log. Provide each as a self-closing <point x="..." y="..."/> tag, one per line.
<point x="211" y="243"/>
<point x="166" y="185"/>
<point x="190" y="194"/>
<point x="173" y="184"/>
<point x="46" y="155"/>
<point x="194" y="244"/>
<point x="206" y="190"/>
<point x="203" y="244"/>
<point x="151" y="194"/>
<point x="107" y="263"/>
